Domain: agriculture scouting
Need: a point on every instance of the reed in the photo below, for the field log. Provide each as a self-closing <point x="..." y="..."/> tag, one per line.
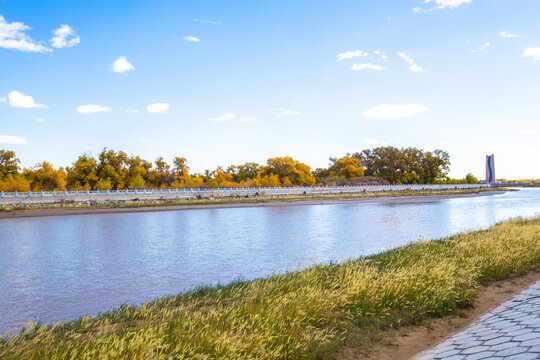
<point x="310" y="313"/>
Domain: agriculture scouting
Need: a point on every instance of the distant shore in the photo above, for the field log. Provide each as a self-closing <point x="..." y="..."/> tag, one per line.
<point x="153" y="206"/>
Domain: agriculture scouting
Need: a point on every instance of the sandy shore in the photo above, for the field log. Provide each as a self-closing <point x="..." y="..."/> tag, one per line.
<point x="233" y="204"/>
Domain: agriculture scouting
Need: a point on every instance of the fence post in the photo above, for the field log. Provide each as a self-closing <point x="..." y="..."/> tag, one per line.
<point x="41" y="193"/>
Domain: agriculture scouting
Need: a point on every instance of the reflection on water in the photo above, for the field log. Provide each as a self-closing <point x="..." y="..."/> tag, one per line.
<point x="57" y="268"/>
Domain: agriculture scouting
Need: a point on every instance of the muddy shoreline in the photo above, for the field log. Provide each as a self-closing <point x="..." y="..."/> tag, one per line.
<point x="265" y="202"/>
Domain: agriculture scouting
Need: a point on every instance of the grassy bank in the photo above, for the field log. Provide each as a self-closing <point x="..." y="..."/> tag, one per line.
<point x="310" y="313"/>
<point x="263" y="198"/>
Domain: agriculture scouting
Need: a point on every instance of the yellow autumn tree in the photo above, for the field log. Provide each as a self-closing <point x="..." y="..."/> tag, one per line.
<point x="45" y="177"/>
<point x="288" y="169"/>
<point x="346" y="167"/>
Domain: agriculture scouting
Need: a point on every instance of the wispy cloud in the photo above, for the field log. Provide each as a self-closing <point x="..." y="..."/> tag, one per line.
<point x="3" y="99"/>
<point x="10" y="139"/>
<point x="213" y="22"/>
<point x="351" y="54"/>
<point x="132" y="111"/>
<point x="532" y="52"/>
<point x="409" y="60"/>
<point x="381" y="54"/>
<point x="288" y="112"/>
<point x="20" y="100"/>
<point x="441" y="4"/>
<point x="92" y="109"/>
<point x="122" y="65"/>
<point x="192" y="38"/>
<point x="13" y="36"/>
<point x="368" y="66"/>
<point x="507" y="34"/>
<point x="248" y="118"/>
<point x="64" y="36"/>
<point x="481" y="47"/>
<point x="40" y="119"/>
<point x="158" y="108"/>
<point x="227" y="116"/>
<point x="386" y="111"/>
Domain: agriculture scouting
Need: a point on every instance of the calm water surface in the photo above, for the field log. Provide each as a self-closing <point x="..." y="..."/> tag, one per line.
<point x="60" y="268"/>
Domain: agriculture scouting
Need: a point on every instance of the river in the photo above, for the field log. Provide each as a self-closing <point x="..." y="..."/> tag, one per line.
<point x="62" y="267"/>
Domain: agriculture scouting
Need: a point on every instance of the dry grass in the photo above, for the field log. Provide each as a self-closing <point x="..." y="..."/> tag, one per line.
<point x="311" y="313"/>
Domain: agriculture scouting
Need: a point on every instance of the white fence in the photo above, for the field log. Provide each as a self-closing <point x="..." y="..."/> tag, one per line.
<point x="239" y="190"/>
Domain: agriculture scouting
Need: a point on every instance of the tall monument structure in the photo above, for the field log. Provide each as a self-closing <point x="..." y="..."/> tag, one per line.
<point x="490" y="168"/>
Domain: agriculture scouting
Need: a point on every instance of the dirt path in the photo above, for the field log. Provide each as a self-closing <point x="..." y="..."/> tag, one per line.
<point x="408" y="342"/>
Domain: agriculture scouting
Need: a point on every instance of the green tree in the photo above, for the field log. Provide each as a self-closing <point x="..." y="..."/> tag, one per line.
<point x="112" y="167"/>
<point x="471" y="179"/>
<point x="82" y="175"/>
<point x="406" y="165"/>
<point x="247" y="171"/>
<point x="9" y="163"/>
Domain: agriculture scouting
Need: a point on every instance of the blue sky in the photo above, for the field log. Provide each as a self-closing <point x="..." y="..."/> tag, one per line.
<point x="226" y="82"/>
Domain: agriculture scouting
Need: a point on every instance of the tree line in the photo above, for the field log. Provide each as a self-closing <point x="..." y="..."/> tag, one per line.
<point x="112" y="169"/>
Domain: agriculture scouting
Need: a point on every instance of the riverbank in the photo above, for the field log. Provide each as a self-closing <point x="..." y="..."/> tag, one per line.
<point x="62" y="209"/>
<point x="316" y="312"/>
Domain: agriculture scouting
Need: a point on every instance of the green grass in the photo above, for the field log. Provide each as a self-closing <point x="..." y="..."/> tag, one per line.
<point x="264" y="198"/>
<point x="310" y="313"/>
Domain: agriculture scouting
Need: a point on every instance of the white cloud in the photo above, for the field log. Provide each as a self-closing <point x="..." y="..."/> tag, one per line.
<point x="481" y="47"/>
<point x="288" y="112"/>
<point x="9" y="139"/>
<point x="64" y="36"/>
<point x="507" y="34"/>
<point x="227" y="116"/>
<point x="17" y="99"/>
<point x="385" y="111"/>
<point x="369" y="66"/>
<point x="372" y="142"/>
<point x="409" y="60"/>
<point x="121" y="65"/>
<point x="381" y="54"/>
<point x="132" y="111"/>
<point x="192" y="38"/>
<point x="351" y="54"/>
<point x="3" y="99"/>
<point x="532" y="52"/>
<point x="13" y="36"/>
<point x="158" y="108"/>
<point x="40" y="119"/>
<point x="248" y="118"/>
<point x="441" y="4"/>
<point x="92" y="109"/>
<point x="207" y="21"/>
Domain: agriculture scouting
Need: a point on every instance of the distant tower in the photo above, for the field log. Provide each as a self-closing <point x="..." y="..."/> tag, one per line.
<point x="490" y="168"/>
